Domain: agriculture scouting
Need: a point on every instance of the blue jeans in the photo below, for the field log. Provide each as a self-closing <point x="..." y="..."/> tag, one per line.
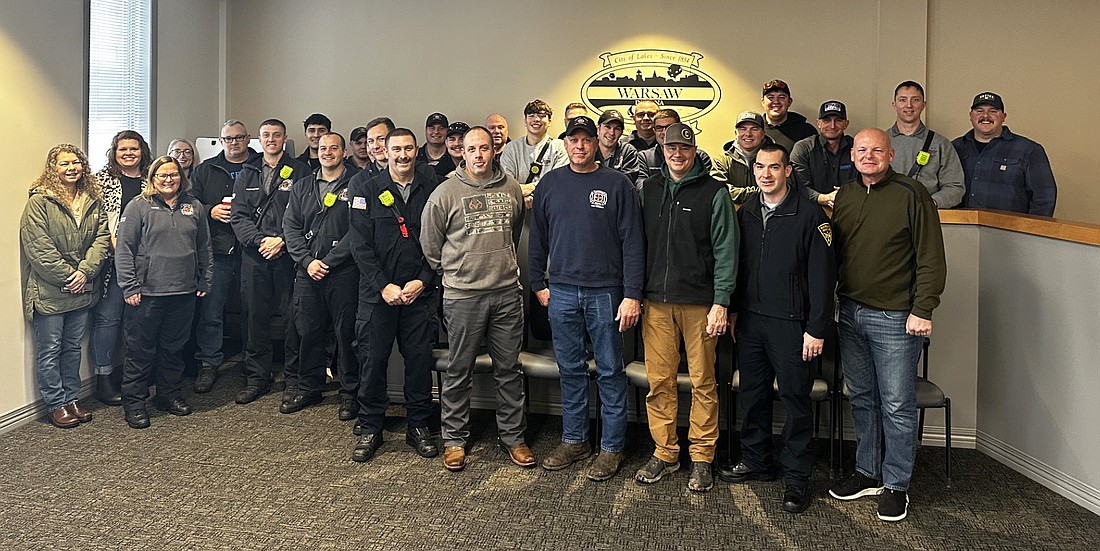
<point x="573" y="310"/>
<point x="57" y="356"/>
<point x="211" y="309"/>
<point x="106" y="320"/>
<point x="880" y="369"/>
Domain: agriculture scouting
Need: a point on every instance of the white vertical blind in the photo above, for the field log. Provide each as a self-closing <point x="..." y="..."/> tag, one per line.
<point x="119" y="72"/>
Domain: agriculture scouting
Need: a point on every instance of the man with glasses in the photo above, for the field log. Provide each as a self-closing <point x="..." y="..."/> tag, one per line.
<point x="643" y="137"/>
<point x="652" y="160"/>
<point x="528" y="159"/>
<point x="734" y="167"/>
<point x="784" y="127"/>
<point x="212" y="184"/>
<point x="267" y="274"/>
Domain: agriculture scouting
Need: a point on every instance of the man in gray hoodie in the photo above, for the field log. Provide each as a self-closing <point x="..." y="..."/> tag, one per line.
<point x="470" y="233"/>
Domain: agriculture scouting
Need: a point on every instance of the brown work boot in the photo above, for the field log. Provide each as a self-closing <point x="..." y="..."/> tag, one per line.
<point x="605" y="466"/>
<point x="454" y="458"/>
<point x="520" y="455"/>
<point x="565" y="455"/>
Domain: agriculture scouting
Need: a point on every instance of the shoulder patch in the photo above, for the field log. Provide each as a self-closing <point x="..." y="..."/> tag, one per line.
<point x="187" y="209"/>
<point x="826" y="232"/>
<point x="359" y="202"/>
<point x="286" y="185"/>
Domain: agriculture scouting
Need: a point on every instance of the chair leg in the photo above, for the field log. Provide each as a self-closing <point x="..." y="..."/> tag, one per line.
<point x="947" y="418"/>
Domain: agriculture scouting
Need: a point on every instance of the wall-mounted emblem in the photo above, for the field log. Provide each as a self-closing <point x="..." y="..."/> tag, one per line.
<point x="670" y="78"/>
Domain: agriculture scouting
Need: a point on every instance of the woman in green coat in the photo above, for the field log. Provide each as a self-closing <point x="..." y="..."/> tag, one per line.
<point x="64" y="238"/>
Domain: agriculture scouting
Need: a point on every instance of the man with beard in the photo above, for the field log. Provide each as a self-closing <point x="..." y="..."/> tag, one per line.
<point x="454" y="143"/>
<point x="360" y="148"/>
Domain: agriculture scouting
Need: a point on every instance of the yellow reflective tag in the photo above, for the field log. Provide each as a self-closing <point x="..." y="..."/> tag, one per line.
<point x="330" y="199"/>
<point x="923" y="157"/>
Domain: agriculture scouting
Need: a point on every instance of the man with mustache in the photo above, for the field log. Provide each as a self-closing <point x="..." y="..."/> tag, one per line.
<point x="922" y="154"/>
<point x="396" y="292"/>
<point x="1004" y="171"/>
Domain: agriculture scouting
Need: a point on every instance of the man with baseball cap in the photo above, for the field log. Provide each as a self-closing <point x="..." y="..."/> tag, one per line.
<point x="653" y="159"/>
<point x="734" y="167"/>
<point x="587" y="220"/>
<point x="454" y="143"/>
<point x="687" y="291"/>
<point x="360" y="149"/>
<point x="1003" y="171"/>
<point x="823" y="162"/>
<point x="434" y="151"/>
<point x="784" y="127"/>
<point x="614" y="153"/>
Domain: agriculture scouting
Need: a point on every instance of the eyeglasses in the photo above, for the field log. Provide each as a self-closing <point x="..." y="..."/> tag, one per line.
<point x="164" y="177"/>
<point x="180" y="152"/>
<point x="232" y="139"/>
<point x="644" y="114"/>
<point x="661" y="127"/>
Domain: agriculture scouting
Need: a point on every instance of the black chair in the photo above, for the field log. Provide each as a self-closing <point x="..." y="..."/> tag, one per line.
<point x="929" y="395"/>
<point x="821" y="392"/>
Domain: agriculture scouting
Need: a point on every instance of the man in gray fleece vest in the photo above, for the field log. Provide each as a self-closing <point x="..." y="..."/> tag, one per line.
<point x="469" y="233"/>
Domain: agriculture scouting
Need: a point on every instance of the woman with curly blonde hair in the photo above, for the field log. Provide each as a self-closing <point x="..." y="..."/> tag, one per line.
<point x="64" y="238"/>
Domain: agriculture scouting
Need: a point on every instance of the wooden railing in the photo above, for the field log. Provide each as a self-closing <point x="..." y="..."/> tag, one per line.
<point x="1078" y="232"/>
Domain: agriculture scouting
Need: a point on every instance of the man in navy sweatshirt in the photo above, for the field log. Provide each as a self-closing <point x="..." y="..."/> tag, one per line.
<point x="587" y="221"/>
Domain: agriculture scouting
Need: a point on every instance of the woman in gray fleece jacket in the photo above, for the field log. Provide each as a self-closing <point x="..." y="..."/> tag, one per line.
<point x="163" y="261"/>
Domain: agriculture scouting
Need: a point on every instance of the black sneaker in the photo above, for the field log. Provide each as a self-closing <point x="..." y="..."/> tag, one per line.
<point x="205" y="380"/>
<point x="893" y="505"/>
<point x="855" y="487"/>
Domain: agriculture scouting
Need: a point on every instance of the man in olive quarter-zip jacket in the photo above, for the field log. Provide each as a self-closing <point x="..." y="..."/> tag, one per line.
<point x="781" y="313"/>
<point x="691" y="268"/>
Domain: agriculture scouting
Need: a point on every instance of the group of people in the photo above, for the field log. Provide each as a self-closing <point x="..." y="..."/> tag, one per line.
<point x="355" y="242"/>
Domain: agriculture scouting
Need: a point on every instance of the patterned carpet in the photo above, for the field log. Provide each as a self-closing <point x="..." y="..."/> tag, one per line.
<point x="247" y="477"/>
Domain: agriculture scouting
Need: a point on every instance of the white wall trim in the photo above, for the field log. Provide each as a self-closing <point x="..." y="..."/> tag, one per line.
<point x="1050" y="477"/>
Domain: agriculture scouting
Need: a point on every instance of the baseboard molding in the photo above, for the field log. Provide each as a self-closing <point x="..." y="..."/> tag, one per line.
<point x="1050" y="477"/>
<point x="36" y="409"/>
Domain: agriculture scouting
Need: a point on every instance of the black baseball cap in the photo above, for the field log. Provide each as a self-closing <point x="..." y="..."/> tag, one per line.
<point x="457" y="127"/>
<point x="358" y="132"/>
<point x="832" y="108"/>
<point x="582" y="122"/>
<point x="988" y="98"/>
<point x="436" y="118"/>
<point x="612" y="115"/>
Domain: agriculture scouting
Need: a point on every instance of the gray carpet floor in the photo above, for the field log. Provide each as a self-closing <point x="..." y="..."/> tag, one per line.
<point x="247" y="477"/>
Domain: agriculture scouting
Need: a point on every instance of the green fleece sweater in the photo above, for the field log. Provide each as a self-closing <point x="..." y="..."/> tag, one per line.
<point x="889" y="245"/>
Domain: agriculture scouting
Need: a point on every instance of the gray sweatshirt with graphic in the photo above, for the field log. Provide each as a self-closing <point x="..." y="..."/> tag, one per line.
<point x="470" y="233"/>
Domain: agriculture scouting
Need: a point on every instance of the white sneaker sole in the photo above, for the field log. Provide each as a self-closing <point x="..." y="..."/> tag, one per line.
<point x="862" y="493"/>
<point x="904" y="512"/>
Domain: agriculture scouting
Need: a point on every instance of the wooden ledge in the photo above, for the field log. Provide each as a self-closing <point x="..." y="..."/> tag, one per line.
<point x="1077" y="232"/>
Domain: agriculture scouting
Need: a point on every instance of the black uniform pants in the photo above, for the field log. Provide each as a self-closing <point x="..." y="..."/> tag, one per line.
<point x="156" y="331"/>
<point x="319" y="305"/>
<point x="267" y="286"/>
<point x="770" y="349"/>
<point x="414" y="328"/>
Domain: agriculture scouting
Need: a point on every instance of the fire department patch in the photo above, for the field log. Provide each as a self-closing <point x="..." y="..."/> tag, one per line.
<point x="285" y="186"/>
<point x="187" y="209"/>
<point x="826" y="232"/>
<point x="598" y="198"/>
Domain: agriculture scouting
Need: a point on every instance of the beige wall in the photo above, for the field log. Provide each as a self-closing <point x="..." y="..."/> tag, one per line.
<point x="484" y="56"/>
<point x="41" y="103"/>
<point x="189" y="70"/>
<point x="1038" y="56"/>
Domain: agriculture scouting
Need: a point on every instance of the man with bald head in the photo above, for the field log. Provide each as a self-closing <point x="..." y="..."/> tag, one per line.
<point x="498" y="129"/>
<point x="891" y="274"/>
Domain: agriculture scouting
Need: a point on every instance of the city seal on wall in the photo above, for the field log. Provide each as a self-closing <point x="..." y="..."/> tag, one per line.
<point x="669" y="78"/>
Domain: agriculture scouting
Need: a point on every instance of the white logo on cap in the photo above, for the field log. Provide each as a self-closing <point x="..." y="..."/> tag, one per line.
<point x="686" y="133"/>
<point x="832" y="106"/>
<point x="986" y="96"/>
